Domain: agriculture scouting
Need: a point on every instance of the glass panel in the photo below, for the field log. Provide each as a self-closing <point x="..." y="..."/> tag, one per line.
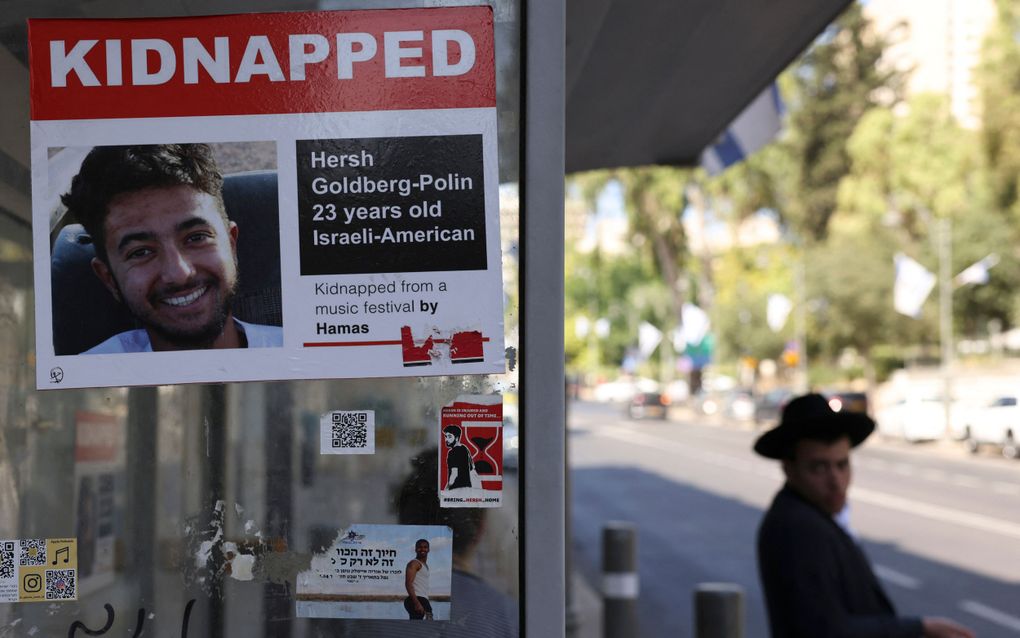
<point x="168" y="490"/>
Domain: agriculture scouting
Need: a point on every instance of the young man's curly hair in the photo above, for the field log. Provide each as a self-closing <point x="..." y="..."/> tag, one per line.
<point x="109" y="171"/>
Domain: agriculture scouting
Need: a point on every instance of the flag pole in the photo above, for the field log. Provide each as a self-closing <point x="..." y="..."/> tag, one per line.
<point x="800" y="327"/>
<point x="946" y="319"/>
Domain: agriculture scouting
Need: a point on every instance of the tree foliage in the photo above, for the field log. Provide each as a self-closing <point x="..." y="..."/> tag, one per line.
<point x="999" y="81"/>
<point x="654" y="202"/>
<point x="907" y="171"/>
<point x="745" y="277"/>
<point x="857" y="177"/>
<point x="835" y="83"/>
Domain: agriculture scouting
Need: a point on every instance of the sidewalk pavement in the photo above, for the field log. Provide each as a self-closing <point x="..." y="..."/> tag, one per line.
<point x="587" y="610"/>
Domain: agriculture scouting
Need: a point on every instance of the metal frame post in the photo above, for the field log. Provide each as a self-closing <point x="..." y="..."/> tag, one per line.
<point x="543" y="545"/>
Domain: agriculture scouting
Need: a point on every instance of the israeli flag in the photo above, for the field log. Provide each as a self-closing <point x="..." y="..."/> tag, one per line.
<point x="648" y="339"/>
<point x="694" y="327"/>
<point x="757" y="125"/>
<point x="777" y="310"/>
<point x="977" y="273"/>
<point x="913" y="285"/>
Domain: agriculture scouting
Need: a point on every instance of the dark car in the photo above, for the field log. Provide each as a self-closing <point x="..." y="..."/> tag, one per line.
<point x="770" y="405"/>
<point x="648" y="405"/>
<point x="841" y="401"/>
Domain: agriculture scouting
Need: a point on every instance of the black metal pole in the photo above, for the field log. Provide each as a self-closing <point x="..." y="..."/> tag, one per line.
<point x="619" y="580"/>
<point x="719" y="611"/>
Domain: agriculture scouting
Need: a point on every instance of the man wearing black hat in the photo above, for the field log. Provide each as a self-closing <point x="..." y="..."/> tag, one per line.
<point x="817" y="581"/>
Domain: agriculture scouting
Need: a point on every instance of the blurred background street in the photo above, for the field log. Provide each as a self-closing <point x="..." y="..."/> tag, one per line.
<point x="942" y="527"/>
<point x="853" y="232"/>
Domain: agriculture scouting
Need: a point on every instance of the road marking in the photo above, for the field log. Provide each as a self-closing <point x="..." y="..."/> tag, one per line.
<point x="890" y="575"/>
<point x="991" y="614"/>
<point x="936" y="512"/>
<point x="938" y="476"/>
<point x="966" y="480"/>
<point x="910" y="506"/>
<point x="933" y="475"/>
<point x="1000" y="487"/>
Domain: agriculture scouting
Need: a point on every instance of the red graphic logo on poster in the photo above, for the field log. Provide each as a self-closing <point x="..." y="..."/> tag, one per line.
<point x="481" y="433"/>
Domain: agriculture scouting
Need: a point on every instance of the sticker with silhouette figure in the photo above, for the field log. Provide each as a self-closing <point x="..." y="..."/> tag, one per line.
<point x="471" y="452"/>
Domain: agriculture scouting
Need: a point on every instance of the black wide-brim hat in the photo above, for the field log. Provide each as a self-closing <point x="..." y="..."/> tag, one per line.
<point x="810" y="417"/>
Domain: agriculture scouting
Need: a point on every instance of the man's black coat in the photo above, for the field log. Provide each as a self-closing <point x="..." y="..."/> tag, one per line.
<point x="817" y="581"/>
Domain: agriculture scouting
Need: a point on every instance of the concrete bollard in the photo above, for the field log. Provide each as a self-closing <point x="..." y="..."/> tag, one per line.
<point x="619" y="580"/>
<point x="719" y="611"/>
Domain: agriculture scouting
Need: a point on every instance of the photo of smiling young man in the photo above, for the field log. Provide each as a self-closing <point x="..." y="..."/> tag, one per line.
<point x="165" y="248"/>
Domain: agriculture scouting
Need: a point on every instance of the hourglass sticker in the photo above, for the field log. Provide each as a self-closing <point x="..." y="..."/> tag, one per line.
<point x="471" y="452"/>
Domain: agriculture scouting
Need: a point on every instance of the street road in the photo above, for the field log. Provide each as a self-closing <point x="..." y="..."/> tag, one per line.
<point x="941" y="528"/>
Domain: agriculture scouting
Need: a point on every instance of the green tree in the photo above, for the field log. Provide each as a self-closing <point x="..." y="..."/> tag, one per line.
<point x="907" y="172"/>
<point x="745" y="277"/>
<point x="601" y="286"/>
<point x="833" y="85"/>
<point x="998" y="77"/>
<point x="654" y="201"/>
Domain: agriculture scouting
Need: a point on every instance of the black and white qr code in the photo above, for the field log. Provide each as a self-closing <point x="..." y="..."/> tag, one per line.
<point x="60" y="584"/>
<point x="7" y="565"/>
<point x="350" y="429"/>
<point x="33" y="552"/>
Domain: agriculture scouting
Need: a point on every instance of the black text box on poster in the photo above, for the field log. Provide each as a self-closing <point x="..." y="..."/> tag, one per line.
<point x="391" y="204"/>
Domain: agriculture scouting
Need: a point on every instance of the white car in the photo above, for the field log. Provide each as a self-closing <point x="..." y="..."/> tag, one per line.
<point x="622" y="390"/>
<point x="997" y="423"/>
<point x="914" y="419"/>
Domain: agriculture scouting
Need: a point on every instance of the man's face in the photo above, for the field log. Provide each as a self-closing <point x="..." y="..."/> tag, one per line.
<point x="450" y="439"/>
<point x="172" y="262"/>
<point x="421" y="550"/>
<point x="820" y="472"/>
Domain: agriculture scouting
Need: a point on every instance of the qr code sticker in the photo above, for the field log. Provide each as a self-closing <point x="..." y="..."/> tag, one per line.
<point x="350" y="429"/>
<point x="7" y="564"/>
<point x="33" y="552"/>
<point x="348" y="432"/>
<point x="60" y="584"/>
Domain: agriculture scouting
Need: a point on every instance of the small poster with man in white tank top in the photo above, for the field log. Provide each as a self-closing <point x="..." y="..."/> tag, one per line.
<point x="397" y="572"/>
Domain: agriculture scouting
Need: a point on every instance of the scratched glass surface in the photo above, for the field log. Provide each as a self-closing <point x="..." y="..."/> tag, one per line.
<point x="195" y="507"/>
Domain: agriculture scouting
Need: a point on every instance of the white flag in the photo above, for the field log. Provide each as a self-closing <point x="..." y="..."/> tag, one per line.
<point x="777" y="310"/>
<point x="648" y="339"/>
<point x="977" y="273"/>
<point x="581" y="326"/>
<point x="913" y="284"/>
<point x="694" y="324"/>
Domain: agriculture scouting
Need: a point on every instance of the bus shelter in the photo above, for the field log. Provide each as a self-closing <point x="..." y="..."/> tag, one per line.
<point x="282" y="292"/>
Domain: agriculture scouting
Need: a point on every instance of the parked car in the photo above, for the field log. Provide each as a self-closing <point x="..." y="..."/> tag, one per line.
<point x="915" y="418"/>
<point x="739" y="405"/>
<point x="997" y="423"/>
<point x="842" y="401"/>
<point x="769" y="406"/>
<point x="678" y="391"/>
<point x="708" y="403"/>
<point x="623" y="390"/>
<point x="648" y="405"/>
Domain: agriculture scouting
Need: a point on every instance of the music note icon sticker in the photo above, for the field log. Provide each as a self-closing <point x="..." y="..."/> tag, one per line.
<point x="65" y="552"/>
